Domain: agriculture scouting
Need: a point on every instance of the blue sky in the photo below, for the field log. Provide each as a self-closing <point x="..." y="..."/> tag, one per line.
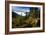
<point x="23" y="9"/>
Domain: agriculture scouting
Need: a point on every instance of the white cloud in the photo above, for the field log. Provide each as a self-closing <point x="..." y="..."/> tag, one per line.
<point x="20" y="13"/>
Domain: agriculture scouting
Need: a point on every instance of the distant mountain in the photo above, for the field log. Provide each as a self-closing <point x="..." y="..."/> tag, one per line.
<point x="20" y="13"/>
<point x="14" y="14"/>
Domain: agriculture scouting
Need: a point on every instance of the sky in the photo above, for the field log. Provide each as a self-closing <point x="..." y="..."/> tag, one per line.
<point x="22" y="9"/>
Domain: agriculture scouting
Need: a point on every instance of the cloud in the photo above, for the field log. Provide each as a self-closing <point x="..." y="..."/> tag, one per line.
<point x="20" y="13"/>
